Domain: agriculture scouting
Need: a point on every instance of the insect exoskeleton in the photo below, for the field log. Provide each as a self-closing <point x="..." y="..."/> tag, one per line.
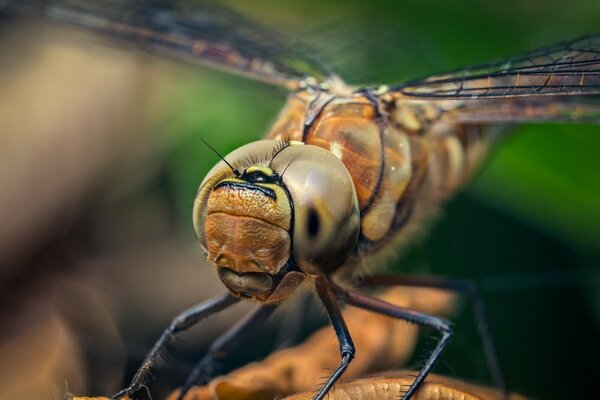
<point x="272" y="213"/>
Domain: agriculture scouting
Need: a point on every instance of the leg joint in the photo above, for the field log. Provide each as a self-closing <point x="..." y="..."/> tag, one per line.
<point x="443" y="325"/>
<point x="178" y="324"/>
<point x="347" y="352"/>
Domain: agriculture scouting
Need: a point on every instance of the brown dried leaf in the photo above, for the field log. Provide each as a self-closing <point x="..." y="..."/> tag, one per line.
<point x="392" y="387"/>
<point x="70" y="397"/>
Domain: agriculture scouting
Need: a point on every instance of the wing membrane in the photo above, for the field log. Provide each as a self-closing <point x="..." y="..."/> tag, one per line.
<point x="569" y="68"/>
<point x="548" y="109"/>
<point x="208" y="35"/>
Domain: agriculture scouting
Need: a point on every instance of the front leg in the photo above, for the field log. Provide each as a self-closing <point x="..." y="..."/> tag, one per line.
<point x="183" y="321"/>
<point x="378" y="306"/>
<point x="330" y="302"/>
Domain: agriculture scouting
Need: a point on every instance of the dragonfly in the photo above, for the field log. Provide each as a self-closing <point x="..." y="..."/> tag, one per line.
<point x="345" y="175"/>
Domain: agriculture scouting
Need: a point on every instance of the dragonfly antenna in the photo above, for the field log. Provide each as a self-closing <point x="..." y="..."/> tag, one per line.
<point x="235" y="171"/>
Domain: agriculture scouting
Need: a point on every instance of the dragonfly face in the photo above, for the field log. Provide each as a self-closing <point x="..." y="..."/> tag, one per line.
<point x="268" y="226"/>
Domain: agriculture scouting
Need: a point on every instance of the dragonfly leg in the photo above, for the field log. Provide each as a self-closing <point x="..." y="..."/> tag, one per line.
<point x="382" y="307"/>
<point x="328" y="297"/>
<point x="457" y="285"/>
<point x="183" y="321"/>
<point x="221" y="348"/>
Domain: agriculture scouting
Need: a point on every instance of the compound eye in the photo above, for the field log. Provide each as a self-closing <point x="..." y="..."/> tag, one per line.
<point x="326" y="214"/>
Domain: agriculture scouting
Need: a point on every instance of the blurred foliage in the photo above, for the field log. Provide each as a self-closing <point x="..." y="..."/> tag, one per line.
<point x="528" y="227"/>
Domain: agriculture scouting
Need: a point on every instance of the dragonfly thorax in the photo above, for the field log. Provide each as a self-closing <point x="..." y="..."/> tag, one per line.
<point x="292" y="211"/>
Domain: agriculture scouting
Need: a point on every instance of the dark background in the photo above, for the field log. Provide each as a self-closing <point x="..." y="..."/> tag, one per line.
<point x="102" y="159"/>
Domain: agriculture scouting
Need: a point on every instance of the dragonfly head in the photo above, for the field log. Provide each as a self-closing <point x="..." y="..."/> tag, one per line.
<point x="282" y="213"/>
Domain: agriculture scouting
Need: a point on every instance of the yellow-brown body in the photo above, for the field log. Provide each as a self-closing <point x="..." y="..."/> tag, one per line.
<point x="403" y="162"/>
<point x="341" y="177"/>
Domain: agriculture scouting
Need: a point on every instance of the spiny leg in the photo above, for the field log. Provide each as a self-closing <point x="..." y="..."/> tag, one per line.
<point x="382" y="307"/>
<point x="221" y="348"/>
<point x="465" y="287"/>
<point x="330" y="302"/>
<point x="183" y="321"/>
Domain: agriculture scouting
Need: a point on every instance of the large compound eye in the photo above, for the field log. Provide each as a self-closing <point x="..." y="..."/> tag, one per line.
<point x="326" y="214"/>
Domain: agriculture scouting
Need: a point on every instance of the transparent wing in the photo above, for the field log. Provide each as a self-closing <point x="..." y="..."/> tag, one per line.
<point x="569" y="68"/>
<point x="548" y="109"/>
<point x="184" y="31"/>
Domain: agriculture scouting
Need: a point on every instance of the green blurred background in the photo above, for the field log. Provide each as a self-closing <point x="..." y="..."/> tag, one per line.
<point x="527" y="229"/>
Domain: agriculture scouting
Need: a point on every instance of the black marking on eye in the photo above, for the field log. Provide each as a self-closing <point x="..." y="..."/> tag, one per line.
<point x="247" y="186"/>
<point x="259" y="177"/>
<point x="313" y="223"/>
